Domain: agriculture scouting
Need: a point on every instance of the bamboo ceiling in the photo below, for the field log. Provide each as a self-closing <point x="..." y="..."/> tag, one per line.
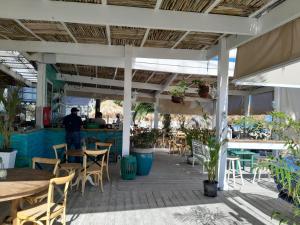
<point x="226" y="7"/>
<point x="55" y="31"/>
<point x="239" y="7"/>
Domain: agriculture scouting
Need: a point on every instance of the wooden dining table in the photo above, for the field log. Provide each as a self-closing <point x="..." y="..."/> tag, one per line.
<point x="21" y="183"/>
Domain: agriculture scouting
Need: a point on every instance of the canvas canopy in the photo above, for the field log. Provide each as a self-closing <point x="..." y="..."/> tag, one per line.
<point x="274" y="49"/>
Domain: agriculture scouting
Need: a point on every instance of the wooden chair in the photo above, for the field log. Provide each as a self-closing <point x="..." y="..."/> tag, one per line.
<point x="105" y="146"/>
<point x="47" y="213"/>
<point x="65" y="166"/>
<point x="94" y="167"/>
<point x="36" y="161"/>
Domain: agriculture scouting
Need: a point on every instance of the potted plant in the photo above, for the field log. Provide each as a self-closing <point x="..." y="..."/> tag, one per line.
<point x="178" y="92"/>
<point x="203" y="88"/>
<point x="143" y="150"/>
<point x="10" y="101"/>
<point x="211" y="165"/>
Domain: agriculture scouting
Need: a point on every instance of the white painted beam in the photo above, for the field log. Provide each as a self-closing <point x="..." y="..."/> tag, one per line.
<point x="105" y="82"/>
<point x="212" y="6"/>
<point x="150" y="77"/>
<point x="125" y="16"/>
<point x="14" y="75"/>
<point x="104" y="91"/>
<point x="257" y="12"/>
<point x="108" y="34"/>
<point x="166" y="85"/>
<point x="27" y="29"/>
<point x="69" y="32"/>
<point x="138" y="85"/>
<point x="115" y="74"/>
<point x="90" y="91"/>
<point x="80" y="49"/>
<point x="180" y="39"/>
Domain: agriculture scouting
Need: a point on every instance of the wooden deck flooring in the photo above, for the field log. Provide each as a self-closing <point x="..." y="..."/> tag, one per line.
<point x="172" y="194"/>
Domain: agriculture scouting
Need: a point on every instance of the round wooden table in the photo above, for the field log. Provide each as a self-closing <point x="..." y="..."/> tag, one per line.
<point x="21" y="183"/>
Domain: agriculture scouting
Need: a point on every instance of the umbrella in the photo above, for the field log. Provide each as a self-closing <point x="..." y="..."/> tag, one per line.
<point x="110" y="109"/>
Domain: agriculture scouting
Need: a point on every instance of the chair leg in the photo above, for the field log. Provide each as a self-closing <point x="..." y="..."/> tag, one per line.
<point x="233" y="172"/>
<point x="240" y="170"/>
<point x="83" y="185"/>
<point x="107" y="173"/>
<point x="18" y="221"/>
<point x="63" y="218"/>
<point x="101" y="183"/>
<point x="254" y="176"/>
<point x="259" y="174"/>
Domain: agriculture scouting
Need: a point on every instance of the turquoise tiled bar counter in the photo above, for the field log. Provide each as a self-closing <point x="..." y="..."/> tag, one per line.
<point x="38" y="143"/>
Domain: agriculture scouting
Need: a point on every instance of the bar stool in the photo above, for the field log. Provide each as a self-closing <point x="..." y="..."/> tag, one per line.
<point x="233" y="163"/>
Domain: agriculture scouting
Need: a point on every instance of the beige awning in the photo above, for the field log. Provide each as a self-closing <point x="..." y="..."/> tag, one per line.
<point x="188" y="107"/>
<point x="273" y="49"/>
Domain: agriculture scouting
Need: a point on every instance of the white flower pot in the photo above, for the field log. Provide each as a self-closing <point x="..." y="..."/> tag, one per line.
<point x="8" y="159"/>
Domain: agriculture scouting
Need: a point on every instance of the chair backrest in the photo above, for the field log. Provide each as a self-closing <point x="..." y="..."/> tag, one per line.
<point x="63" y="195"/>
<point x="60" y="147"/>
<point x="54" y="162"/>
<point x="200" y="150"/>
<point x="104" y="146"/>
<point x="94" y="155"/>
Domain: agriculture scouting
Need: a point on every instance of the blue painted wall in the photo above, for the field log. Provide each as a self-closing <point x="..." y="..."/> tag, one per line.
<point x="39" y="143"/>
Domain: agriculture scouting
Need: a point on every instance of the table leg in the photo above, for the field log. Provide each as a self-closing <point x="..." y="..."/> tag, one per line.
<point x="15" y="205"/>
<point x="252" y="162"/>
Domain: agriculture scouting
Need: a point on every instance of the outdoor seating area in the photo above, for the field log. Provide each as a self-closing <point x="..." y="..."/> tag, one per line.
<point x="149" y="112"/>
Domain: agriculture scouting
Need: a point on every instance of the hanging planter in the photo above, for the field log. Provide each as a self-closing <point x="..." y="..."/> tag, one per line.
<point x="178" y="92"/>
<point x="177" y="99"/>
<point x="203" y="88"/>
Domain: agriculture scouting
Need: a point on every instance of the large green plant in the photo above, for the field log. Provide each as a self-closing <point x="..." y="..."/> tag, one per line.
<point x="250" y="126"/>
<point x="10" y="101"/>
<point x="142" y="109"/>
<point x="146" y="139"/>
<point x="214" y="148"/>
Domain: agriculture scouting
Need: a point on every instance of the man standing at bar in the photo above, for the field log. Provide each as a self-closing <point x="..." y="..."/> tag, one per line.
<point x="72" y="125"/>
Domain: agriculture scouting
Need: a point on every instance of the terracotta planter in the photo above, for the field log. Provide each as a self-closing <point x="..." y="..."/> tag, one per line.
<point x="203" y="91"/>
<point x="177" y="100"/>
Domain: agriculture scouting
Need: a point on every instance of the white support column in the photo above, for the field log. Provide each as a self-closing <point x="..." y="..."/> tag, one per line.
<point x="276" y="103"/>
<point x="41" y="94"/>
<point x="222" y="109"/>
<point x="156" y="113"/>
<point x="247" y="105"/>
<point x="127" y="101"/>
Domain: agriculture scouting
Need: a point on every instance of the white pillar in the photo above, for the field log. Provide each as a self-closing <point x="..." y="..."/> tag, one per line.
<point x="222" y="109"/>
<point x="247" y="105"/>
<point x="276" y="103"/>
<point x="156" y="113"/>
<point x="40" y="94"/>
<point x="127" y="101"/>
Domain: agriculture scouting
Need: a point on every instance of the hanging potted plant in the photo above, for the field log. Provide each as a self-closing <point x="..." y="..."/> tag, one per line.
<point x="10" y="101"/>
<point x="203" y="88"/>
<point x="178" y="92"/>
<point x="211" y="165"/>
